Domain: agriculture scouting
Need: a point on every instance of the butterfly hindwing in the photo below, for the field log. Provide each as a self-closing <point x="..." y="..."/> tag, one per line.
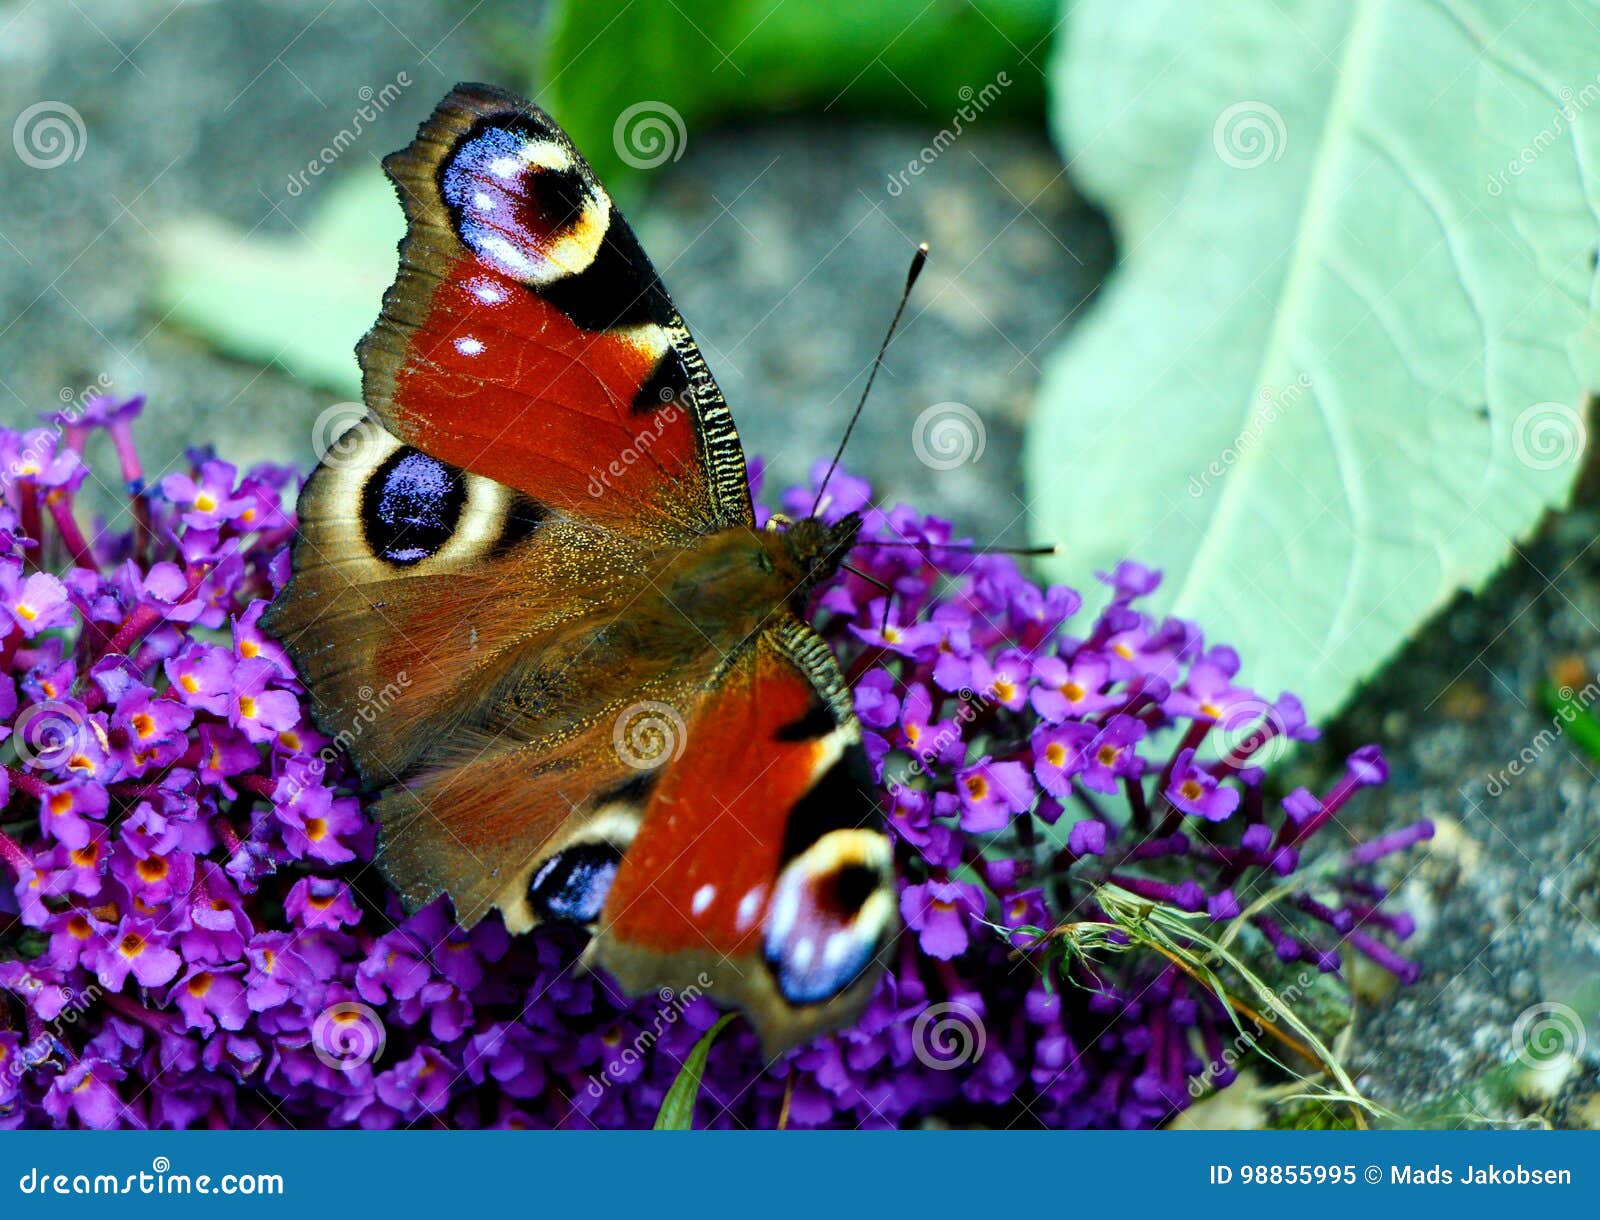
<point x="760" y="866"/>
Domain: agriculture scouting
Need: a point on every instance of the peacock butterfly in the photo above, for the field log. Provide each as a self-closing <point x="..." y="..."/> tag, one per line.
<point x="613" y="714"/>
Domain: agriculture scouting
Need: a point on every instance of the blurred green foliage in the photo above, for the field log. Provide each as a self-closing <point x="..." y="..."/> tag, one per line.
<point x="723" y="58"/>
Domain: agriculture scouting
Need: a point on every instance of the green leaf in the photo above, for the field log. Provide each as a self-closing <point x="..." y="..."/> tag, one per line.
<point x="680" y="66"/>
<point x="677" y="1107"/>
<point x="1344" y="363"/>
<point x="300" y="301"/>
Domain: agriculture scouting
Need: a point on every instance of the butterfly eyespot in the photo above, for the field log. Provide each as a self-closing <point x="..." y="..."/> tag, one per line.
<point x="411" y="506"/>
<point x="847" y="890"/>
<point x="518" y="200"/>
<point x="571" y="887"/>
<point x="829" y="914"/>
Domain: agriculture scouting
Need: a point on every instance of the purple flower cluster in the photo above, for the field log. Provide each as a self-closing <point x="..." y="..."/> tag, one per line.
<point x="191" y="933"/>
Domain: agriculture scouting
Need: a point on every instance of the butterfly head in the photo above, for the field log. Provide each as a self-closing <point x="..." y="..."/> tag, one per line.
<point x="814" y="549"/>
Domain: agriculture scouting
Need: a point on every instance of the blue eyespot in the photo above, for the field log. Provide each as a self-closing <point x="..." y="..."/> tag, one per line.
<point x="411" y="507"/>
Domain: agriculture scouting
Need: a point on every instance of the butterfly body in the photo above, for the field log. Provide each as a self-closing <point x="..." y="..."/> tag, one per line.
<point x="612" y="712"/>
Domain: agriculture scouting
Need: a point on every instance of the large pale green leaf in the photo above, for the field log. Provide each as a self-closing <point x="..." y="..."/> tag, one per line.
<point x="301" y="301"/>
<point x="1357" y="276"/>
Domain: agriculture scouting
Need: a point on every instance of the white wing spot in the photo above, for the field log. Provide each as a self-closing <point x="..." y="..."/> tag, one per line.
<point x="749" y="908"/>
<point x="489" y="294"/>
<point x="468" y="346"/>
<point x="702" y="899"/>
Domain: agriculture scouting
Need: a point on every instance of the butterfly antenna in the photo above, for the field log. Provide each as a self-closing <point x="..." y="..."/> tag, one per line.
<point x="1048" y="548"/>
<point x="883" y="628"/>
<point x="917" y="261"/>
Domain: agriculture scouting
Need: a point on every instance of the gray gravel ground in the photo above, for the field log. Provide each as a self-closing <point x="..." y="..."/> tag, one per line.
<point x="786" y="253"/>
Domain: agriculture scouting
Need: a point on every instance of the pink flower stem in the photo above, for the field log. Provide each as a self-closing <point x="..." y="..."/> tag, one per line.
<point x="138" y="1013"/>
<point x="143" y="619"/>
<point x="12" y="853"/>
<point x="225" y="831"/>
<point x="71" y="535"/>
<point x="32" y="523"/>
<point x="23" y="782"/>
<point x="259" y="784"/>
<point x="1191" y="741"/>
